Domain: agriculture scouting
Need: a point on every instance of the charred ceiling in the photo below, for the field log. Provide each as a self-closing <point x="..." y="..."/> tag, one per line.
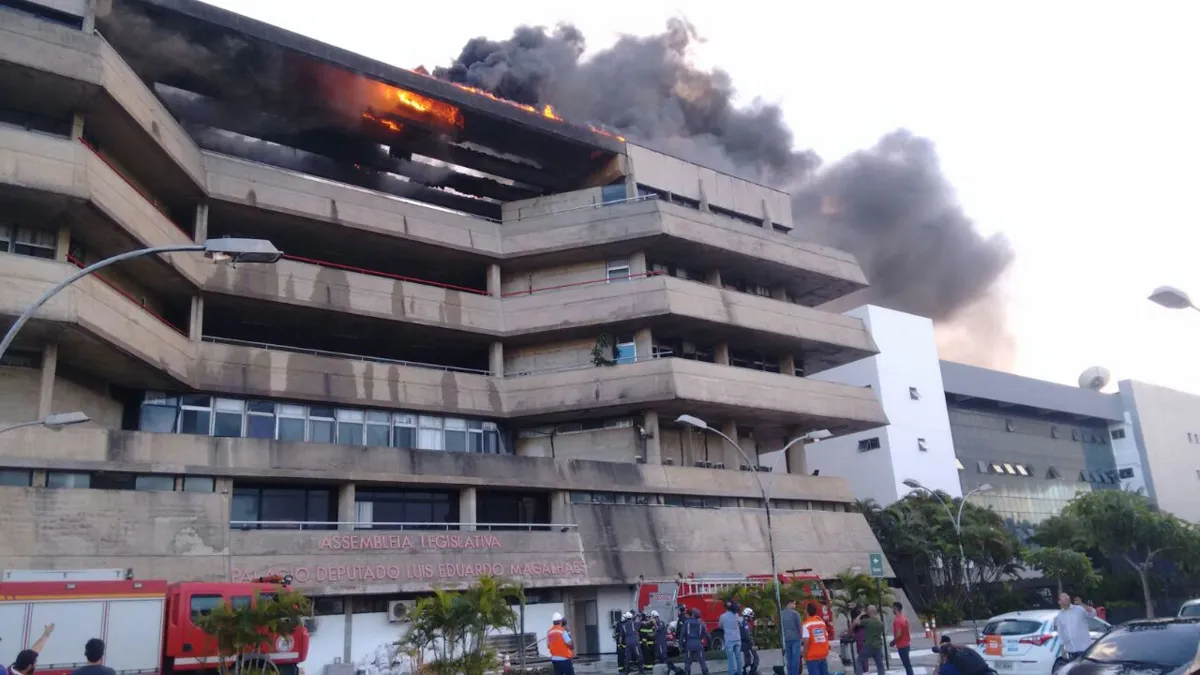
<point x="255" y="91"/>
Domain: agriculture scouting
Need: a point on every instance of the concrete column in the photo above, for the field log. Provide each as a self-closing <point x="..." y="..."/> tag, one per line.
<point x="89" y="17"/>
<point x="560" y="508"/>
<point x="39" y="479"/>
<point x="732" y="458"/>
<point x="46" y="393"/>
<point x="77" y="126"/>
<point x="349" y="632"/>
<point x="62" y="245"/>
<point x="713" y="278"/>
<point x="703" y="198"/>
<point x="347" y="513"/>
<point x="201" y="229"/>
<point x="650" y="438"/>
<point x="780" y="293"/>
<point x="787" y="364"/>
<point x="496" y="359"/>
<point x="637" y="264"/>
<point x="643" y="342"/>
<point x="196" y="323"/>
<point x="721" y="353"/>
<point x="797" y="461"/>
<point x="468" y="507"/>
<point x="494" y="281"/>
<point x="766" y="215"/>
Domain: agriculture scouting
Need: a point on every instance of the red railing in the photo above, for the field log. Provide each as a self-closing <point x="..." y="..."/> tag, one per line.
<point x="605" y="280"/>
<point x="386" y="275"/>
<point x="78" y="263"/>
<point x="137" y="188"/>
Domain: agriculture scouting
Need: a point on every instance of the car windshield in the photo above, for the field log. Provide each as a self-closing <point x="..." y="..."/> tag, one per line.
<point x="1012" y="627"/>
<point x="1163" y="644"/>
<point x="1190" y="610"/>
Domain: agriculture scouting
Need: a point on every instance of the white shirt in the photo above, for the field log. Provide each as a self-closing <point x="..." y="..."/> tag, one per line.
<point x="1072" y="626"/>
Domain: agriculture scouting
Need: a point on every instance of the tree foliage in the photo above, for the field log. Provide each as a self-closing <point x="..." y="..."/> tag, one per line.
<point x="1124" y="526"/>
<point x="453" y="626"/>
<point x="918" y="537"/>
<point x="857" y="590"/>
<point x="243" y="632"/>
<point x="761" y="598"/>
<point x="1064" y="566"/>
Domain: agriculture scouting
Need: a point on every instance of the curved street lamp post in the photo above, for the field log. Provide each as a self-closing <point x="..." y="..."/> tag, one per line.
<point x="956" y="520"/>
<point x="765" y="491"/>
<point x="53" y="421"/>
<point x="1172" y="298"/>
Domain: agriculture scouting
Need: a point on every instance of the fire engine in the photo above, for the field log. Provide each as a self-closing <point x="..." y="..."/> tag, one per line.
<point x="146" y="625"/>
<point x="703" y="593"/>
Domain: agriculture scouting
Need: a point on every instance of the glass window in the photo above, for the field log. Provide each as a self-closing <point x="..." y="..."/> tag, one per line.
<point x="196" y="415"/>
<point x="227" y="420"/>
<point x="291" y="422"/>
<point x="613" y="193"/>
<point x="37" y="243"/>
<point x="456" y="434"/>
<point x="15" y="478"/>
<point x="203" y="605"/>
<point x="431" y="435"/>
<point x="625" y="351"/>
<point x="245" y="506"/>
<point x="159" y="413"/>
<point x="378" y="424"/>
<point x="239" y="602"/>
<point x="618" y="270"/>
<point x="1162" y="645"/>
<point x="350" y="426"/>
<point x="63" y="479"/>
<point x="1012" y="627"/>
<point x="154" y="482"/>
<point x="404" y="436"/>
<point x="199" y="484"/>
<point x="320" y="424"/>
<point x="260" y="419"/>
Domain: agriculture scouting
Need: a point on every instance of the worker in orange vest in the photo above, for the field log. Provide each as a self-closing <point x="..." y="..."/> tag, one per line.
<point x="815" y="638"/>
<point x="562" y="648"/>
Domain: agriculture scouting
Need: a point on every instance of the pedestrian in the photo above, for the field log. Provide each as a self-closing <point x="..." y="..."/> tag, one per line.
<point x="749" y="650"/>
<point x="815" y="635"/>
<point x="619" y="639"/>
<point x="902" y="637"/>
<point x="731" y="631"/>
<point x="646" y="637"/>
<point x="93" y="651"/>
<point x="858" y="632"/>
<point x="792" y="637"/>
<point x="694" y="638"/>
<point x="1072" y="626"/>
<point x="633" y="652"/>
<point x="872" y="646"/>
<point x="660" y="638"/>
<point x="960" y="659"/>
<point x="558" y="640"/>
<point x="26" y="661"/>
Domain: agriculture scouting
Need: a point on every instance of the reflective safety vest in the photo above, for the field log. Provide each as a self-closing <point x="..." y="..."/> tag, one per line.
<point x="556" y="640"/>
<point x="818" y="639"/>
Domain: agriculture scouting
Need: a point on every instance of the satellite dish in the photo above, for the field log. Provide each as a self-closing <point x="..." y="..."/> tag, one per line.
<point x="1094" y="378"/>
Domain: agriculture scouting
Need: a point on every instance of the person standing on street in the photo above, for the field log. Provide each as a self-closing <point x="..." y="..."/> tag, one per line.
<point x="558" y="640"/>
<point x="646" y="638"/>
<point x="815" y="635"/>
<point x="872" y="647"/>
<point x="629" y="635"/>
<point x="749" y="651"/>
<point x="694" y="638"/>
<point x="26" y="660"/>
<point x="731" y="628"/>
<point x="902" y="637"/>
<point x="792" y="638"/>
<point x="660" y="638"/>
<point x="93" y="651"/>
<point x="1072" y="626"/>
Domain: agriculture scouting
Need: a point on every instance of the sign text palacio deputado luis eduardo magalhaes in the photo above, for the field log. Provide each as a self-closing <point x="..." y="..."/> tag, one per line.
<point x="394" y="567"/>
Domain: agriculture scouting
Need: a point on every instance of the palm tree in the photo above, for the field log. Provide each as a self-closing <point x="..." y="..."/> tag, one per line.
<point x="455" y="625"/>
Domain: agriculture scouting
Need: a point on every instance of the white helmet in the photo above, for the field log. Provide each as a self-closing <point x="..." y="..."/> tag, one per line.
<point x="747" y="612"/>
<point x="627" y="615"/>
<point x="654" y="613"/>
<point x="555" y="617"/>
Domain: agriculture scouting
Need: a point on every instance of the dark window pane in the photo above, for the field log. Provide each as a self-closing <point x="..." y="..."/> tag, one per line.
<point x="199" y="484"/>
<point x="157" y="418"/>
<point x="227" y="425"/>
<point x="283" y="504"/>
<point x="350" y="433"/>
<point x="202" y="605"/>
<point x="239" y="601"/>
<point x="196" y="400"/>
<point x="377" y="434"/>
<point x="194" y="422"/>
<point x="405" y="438"/>
<point x="114" y="481"/>
<point x="261" y="426"/>
<point x="1166" y="645"/>
<point x="260" y="407"/>
<point x="320" y="506"/>
<point x="245" y="506"/>
<point x="456" y="441"/>
<point x="320" y="431"/>
<point x="13" y="478"/>
<point x="291" y="429"/>
<point x="162" y="483"/>
<point x="320" y="411"/>
<point x="62" y="479"/>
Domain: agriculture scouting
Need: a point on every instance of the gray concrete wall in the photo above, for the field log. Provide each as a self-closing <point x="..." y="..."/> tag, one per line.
<point x="607" y="445"/>
<point x="549" y="204"/>
<point x="1168" y="428"/>
<point x="22" y="389"/>
<point x="547" y="358"/>
<point x="560" y="275"/>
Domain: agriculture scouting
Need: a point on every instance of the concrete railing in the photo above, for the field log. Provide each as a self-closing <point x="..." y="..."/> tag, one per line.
<point x="387" y="526"/>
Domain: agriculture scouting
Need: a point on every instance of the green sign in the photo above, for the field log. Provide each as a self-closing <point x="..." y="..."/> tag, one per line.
<point x="876" y="564"/>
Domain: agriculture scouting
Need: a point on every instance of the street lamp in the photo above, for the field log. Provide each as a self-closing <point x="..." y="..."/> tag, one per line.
<point x="816" y="435"/>
<point x="957" y="522"/>
<point x="1172" y="298"/>
<point x="225" y="249"/>
<point x="53" y="421"/>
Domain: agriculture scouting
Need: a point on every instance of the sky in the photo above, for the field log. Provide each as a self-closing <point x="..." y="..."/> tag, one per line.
<point x="1073" y="128"/>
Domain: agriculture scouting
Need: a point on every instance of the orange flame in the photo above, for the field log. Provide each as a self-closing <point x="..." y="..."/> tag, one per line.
<point x="415" y="106"/>
<point x="390" y="124"/>
<point x="548" y="113"/>
<point x="602" y="132"/>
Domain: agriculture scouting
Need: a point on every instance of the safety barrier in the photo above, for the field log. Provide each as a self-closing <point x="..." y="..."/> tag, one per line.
<point x="340" y="355"/>
<point x="125" y="294"/>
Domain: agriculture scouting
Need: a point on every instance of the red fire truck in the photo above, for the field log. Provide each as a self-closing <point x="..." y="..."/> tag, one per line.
<point x="146" y="625"/>
<point x="703" y="593"/>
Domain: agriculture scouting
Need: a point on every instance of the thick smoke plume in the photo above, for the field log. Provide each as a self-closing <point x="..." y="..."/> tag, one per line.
<point x="889" y="205"/>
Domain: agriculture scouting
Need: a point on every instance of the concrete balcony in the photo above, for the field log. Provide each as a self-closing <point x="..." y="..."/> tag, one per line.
<point x="69" y="173"/>
<point x="61" y="69"/>
<point x="102" y="330"/>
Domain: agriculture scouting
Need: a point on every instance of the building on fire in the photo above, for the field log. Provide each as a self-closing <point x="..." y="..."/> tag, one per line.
<point x="470" y="359"/>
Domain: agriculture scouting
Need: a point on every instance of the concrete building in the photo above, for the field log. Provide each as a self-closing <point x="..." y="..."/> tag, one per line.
<point x="1165" y="440"/>
<point x="468" y="361"/>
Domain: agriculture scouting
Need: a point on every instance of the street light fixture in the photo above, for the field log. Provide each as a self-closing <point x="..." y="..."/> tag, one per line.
<point x="53" y="421"/>
<point x="957" y="522"/>
<point x="1172" y="298"/>
<point x="812" y="436"/>
<point x="225" y="249"/>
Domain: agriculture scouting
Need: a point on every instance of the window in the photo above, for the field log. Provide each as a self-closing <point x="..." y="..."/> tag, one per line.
<point x="868" y="444"/>
<point x="524" y="508"/>
<point x="203" y="605"/>
<point x="1008" y="425"/>
<point x="1012" y="627"/>
<point x="404" y="433"/>
<point x="199" y="484"/>
<point x="959" y="464"/>
<point x="1010" y="470"/>
<point x="321" y="424"/>
<point x="1053" y="474"/>
<point x="618" y="270"/>
<point x="63" y="479"/>
<point x="159" y="412"/>
<point x="22" y="358"/>
<point x="613" y="193"/>
<point x="914" y="394"/>
<point x="227" y="417"/>
<point x="1158" y="647"/>
<point x="195" y="414"/>
<point x="378" y="425"/>
<point x="1021" y="470"/>
<point x="406" y="506"/>
<point x="431" y="435"/>
<point x="996" y="468"/>
<point x="291" y="422"/>
<point x="1117" y="434"/>
<point x="625" y="351"/>
<point x="1074" y="434"/>
<point x="277" y="507"/>
<point x="981" y="466"/>
<point x="1053" y="431"/>
<point x="922" y="445"/>
<point x="260" y="419"/>
<point x="1125" y="473"/>
<point x="27" y="241"/>
<point x="15" y="478"/>
<point x="350" y="426"/>
<point x="154" y="482"/>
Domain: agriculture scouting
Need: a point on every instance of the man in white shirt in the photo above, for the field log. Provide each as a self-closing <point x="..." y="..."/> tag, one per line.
<point x="1072" y="626"/>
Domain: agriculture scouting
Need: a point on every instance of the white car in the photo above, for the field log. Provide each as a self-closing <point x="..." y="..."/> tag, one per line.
<point x="1190" y="608"/>
<point x="1025" y="643"/>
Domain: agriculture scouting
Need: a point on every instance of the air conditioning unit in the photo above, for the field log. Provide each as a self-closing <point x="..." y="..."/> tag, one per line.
<point x="398" y="610"/>
<point x="639" y="460"/>
<point x="614" y="617"/>
<point x="310" y="625"/>
<point x="717" y="465"/>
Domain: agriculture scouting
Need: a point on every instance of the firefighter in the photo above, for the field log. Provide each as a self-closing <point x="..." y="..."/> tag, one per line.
<point x="619" y="638"/>
<point x="645" y="631"/>
<point x="660" y="638"/>
<point x="629" y="636"/>
<point x="749" y="651"/>
<point x="694" y="638"/>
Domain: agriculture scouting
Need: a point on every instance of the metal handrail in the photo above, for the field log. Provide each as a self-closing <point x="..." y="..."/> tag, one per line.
<point x="605" y="280"/>
<point x="367" y="525"/>
<point x="341" y="355"/>
<point x="583" y="365"/>
<point x="127" y="295"/>
<point x="386" y="275"/>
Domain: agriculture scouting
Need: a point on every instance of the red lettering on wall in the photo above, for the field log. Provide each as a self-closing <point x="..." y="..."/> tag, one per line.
<point x="379" y="542"/>
<point x="332" y="574"/>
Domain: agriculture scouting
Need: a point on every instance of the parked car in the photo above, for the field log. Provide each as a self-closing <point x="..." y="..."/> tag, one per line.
<point x="1143" y="647"/>
<point x="1190" y="608"/>
<point x="1026" y="643"/>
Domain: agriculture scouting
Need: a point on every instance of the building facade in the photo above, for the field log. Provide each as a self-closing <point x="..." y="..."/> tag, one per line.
<point x="1165" y="439"/>
<point x="469" y="360"/>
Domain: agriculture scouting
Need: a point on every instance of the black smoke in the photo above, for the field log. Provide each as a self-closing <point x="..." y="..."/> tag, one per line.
<point x="889" y="205"/>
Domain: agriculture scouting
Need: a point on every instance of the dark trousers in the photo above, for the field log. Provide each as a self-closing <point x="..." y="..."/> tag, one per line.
<point x="904" y="660"/>
<point x="874" y="653"/>
<point x="694" y="655"/>
<point x="750" y="658"/>
<point x="633" y="657"/>
<point x="817" y="667"/>
<point x="563" y="667"/>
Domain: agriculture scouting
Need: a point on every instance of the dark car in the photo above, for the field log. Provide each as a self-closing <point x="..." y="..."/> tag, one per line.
<point x="1144" y="647"/>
